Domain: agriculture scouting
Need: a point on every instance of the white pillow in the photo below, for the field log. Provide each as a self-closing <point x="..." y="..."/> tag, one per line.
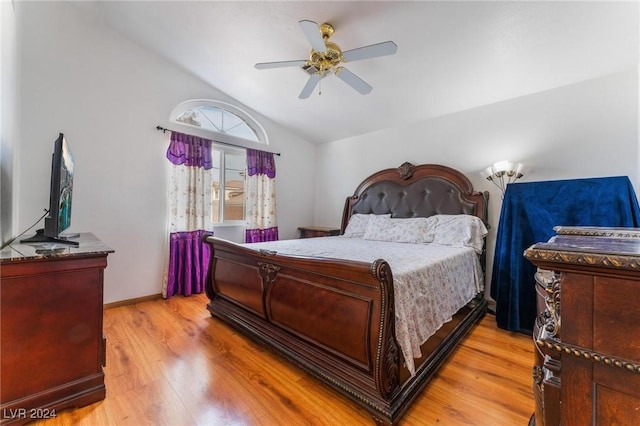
<point x="460" y="230"/>
<point x="358" y="224"/>
<point x="415" y="230"/>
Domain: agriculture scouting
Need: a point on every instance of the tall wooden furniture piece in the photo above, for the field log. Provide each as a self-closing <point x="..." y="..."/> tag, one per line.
<point x="52" y="349"/>
<point x="588" y="364"/>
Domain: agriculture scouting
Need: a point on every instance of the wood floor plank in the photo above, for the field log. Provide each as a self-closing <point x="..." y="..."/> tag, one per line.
<point x="170" y="363"/>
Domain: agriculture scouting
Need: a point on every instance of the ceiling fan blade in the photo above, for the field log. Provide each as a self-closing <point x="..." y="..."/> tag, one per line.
<point x="280" y="64"/>
<point x="311" y="84"/>
<point x="372" y="51"/>
<point x="312" y="32"/>
<point x="353" y="80"/>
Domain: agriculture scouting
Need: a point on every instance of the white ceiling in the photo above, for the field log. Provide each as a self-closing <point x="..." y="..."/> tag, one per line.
<point x="451" y="55"/>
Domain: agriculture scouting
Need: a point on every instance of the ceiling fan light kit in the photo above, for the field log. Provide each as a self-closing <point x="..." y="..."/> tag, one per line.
<point x="325" y="58"/>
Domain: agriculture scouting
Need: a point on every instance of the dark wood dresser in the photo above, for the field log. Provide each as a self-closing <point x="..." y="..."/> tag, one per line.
<point x="587" y="335"/>
<point x="52" y="348"/>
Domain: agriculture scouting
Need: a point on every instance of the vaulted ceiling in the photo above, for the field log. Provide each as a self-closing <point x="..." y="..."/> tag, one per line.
<point x="451" y="55"/>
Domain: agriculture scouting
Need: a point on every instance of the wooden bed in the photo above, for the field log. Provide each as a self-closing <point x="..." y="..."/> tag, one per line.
<point x="297" y="305"/>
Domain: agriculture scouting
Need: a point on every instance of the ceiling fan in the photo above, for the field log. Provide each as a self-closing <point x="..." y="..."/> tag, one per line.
<point x="326" y="58"/>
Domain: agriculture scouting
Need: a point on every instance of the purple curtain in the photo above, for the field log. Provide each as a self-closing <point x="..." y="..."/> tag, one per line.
<point x="188" y="263"/>
<point x="260" y="235"/>
<point x="188" y="254"/>
<point x="189" y="150"/>
<point x="260" y="163"/>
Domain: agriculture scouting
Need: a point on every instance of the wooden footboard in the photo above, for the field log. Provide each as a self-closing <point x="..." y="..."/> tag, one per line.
<point x="332" y="318"/>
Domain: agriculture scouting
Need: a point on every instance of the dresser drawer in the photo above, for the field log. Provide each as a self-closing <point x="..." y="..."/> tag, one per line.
<point x="616" y="328"/>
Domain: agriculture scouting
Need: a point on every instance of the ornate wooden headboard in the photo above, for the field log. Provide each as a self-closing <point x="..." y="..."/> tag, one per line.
<point x="416" y="191"/>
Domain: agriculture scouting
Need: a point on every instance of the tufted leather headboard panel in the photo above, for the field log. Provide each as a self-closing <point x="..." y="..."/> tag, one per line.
<point x="416" y="191"/>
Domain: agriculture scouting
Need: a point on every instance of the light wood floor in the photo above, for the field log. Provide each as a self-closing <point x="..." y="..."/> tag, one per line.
<point x="170" y="363"/>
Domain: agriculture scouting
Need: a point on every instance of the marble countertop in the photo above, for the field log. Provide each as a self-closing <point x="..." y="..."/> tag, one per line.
<point x="89" y="245"/>
<point x="592" y="244"/>
<point x="587" y="247"/>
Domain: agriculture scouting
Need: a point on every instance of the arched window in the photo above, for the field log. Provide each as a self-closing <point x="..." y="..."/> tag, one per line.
<point x="220" y="118"/>
<point x="231" y="130"/>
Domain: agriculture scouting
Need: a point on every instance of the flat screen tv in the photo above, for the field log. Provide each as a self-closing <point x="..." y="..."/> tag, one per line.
<point x="58" y="218"/>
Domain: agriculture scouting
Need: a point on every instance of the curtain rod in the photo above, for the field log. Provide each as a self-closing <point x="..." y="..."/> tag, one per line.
<point x="164" y="130"/>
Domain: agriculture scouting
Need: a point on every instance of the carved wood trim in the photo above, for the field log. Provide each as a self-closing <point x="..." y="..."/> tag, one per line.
<point x="577" y="258"/>
<point x="586" y="231"/>
<point x="552" y="301"/>
<point x="387" y="377"/>
<point x="588" y="354"/>
<point x="538" y="374"/>
<point x="267" y="272"/>
<point x="406" y="170"/>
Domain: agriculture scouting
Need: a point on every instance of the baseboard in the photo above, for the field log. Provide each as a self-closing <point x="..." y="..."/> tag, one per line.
<point x="132" y="301"/>
<point x="491" y="308"/>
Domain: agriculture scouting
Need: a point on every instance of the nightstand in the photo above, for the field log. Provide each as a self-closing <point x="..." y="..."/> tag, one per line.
<point x="317" y="231"/>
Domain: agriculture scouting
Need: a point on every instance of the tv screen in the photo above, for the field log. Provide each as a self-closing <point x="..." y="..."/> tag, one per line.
<point x="60" y="196"/>
<point x="59" y="217"/>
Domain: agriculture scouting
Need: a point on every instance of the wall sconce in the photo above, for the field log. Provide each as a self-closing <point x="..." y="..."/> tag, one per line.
<point x="502" y="173"/>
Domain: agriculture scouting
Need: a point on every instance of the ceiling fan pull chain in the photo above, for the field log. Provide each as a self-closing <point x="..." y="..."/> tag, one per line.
<point x="320" y="87"/>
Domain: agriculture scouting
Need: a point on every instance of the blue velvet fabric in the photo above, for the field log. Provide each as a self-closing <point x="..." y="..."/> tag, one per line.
<point x="529" y="213"/>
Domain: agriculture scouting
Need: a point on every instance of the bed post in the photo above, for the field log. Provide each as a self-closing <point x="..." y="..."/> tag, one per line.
<point x="346" y="212"/>
<point x="208" y="285"/>
<point x="387" y="374"/>
<point x="388" y="359"/>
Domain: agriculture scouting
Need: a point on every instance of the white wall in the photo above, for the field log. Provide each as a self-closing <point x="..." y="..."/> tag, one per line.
<point x="587" y="129"/>
<point x="8" y="117"/>
<point x="107" y="95"/>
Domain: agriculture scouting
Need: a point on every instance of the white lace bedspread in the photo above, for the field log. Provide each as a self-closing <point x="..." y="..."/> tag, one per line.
<point x="431" y="281"/>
